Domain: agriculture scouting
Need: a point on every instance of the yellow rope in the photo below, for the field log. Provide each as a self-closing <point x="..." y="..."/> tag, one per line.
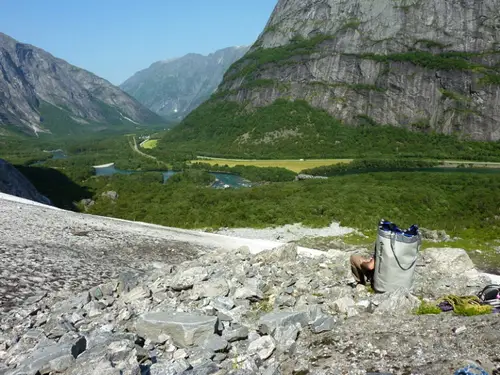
<point x="466" y="305"/>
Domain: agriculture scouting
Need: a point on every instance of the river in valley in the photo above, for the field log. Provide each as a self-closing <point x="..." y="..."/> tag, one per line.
<point x="222" y="180"/>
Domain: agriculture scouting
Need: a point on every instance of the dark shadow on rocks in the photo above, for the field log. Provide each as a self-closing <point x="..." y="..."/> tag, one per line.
<point x="56" y="186"/>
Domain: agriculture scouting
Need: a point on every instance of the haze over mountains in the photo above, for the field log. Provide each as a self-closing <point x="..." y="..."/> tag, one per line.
<point x="173" y="88"/>
<point x="41" y="93"/>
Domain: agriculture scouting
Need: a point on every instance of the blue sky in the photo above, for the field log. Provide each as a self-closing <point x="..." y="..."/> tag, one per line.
<point x="116" y="38"/>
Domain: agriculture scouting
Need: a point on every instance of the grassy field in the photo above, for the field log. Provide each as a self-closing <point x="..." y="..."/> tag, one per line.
<point x="150" y="144"/>
<point x="293" y="165"/>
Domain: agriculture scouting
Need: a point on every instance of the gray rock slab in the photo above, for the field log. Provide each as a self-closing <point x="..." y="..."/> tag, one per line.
<point x="211" y="288"/>
<point x="269" y="322"/>
<point x="285" y="337"/>
<point x="215" y="343"/>
<point x="185" y="329"/>
<point x="169" y="368"/>
<point x="323" y="323"/>
<point x="205" y="369"/>
<point x="263" y="347"/>
<point x="398" y="302"/>
<point x="222" y="303"/>
<point x="235" y="334"/>
<point x="187" y="278"/>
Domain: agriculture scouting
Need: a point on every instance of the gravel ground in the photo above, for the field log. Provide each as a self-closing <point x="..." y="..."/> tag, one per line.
<point x="44" y="250"/>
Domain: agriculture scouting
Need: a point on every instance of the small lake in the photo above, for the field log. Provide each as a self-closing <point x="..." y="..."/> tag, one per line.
<point x="222" y="180"/>
<point x="56" y="155"/>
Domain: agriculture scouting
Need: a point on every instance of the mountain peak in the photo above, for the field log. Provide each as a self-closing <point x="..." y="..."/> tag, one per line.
<point x="174" y="87"/>
<point x="45" y="94"/>
<point x="422" y="65"/>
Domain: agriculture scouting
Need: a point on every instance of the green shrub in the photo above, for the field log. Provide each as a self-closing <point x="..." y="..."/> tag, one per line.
<point x="197" y="177"/>
<point x="229" y="130"/>
<point x="251" y="173"/>
<point x="426" y="308"/>
<point x="370" y="165"/>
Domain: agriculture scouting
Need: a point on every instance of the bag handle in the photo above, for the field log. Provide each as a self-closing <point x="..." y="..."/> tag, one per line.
<point x="393" y="242"/>
<point x="481" y="293"/>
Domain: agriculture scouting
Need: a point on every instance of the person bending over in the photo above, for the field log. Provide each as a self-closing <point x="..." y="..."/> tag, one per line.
<point x="362" y="268"/>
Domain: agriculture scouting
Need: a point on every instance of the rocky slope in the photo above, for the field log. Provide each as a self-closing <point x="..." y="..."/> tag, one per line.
<point x="418" y="64"/>
<point x="137" y="299"/>
<point x="41" y="93"/>
<point x="175" y="87"/>
<point x="13" y="182"/>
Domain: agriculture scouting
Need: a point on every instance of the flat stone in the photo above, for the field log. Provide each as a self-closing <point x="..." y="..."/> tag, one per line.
<point x="235" y="334"/>
<point x="342" y="304"/>
<point x="222" y="303"/>
<point x="36" y="298"/>
<point x="219" y="357"/>
<point x="285" y="301"/>
<point x="285" y="337"/>
<point x="252" y="336"/>
<point x="205" y="369"/>
<point x="75" y="318"/>
<point x="185" y="329"/>
<point x="215" y="343"/>
<point x="43" y="358"/>
<point x="269" y="322"/>
<point x="398" y="302"/>
<point x="138" y="293"/>
<point x="199" y="356"/>
<point x="169" y="368"/>
<point x="126" y="282"/>
<point x="249" y="292"/>
<point x="93" y="309"/>
<point x="62" y="363"/>
<point x="188" y="278"/>
<point x="180" y="354"/>
<point x="263" y="347"/>
<point x="323" y="323"/>
<point x="284" y="253"/>
<point x="211" y="288"/>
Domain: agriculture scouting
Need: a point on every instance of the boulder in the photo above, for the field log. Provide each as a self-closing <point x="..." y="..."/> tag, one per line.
<point x="285" y="253"/>
<point x="286" y="336"/>
<point x="222" y="303"/>
<point x="185" y="329"/>
<point x="269" y="322"/>
<point x="447" y="261"/>
<point x="211" y="288"/>
<point x="52" y="358"/>
<point x="186" y="279"/>
<point x="215" y="343"/>
<point x="398" y="302"/>
<point x="250" y="292"/>
<point x="323" y="323"/>
<point x="235" y="333"/>
<point x="138" y="293"/>
<point x="263" y="347"/>
<point x="343" y="304"/>
<point x="443" y="271"/>
<point x="169" y="368"/>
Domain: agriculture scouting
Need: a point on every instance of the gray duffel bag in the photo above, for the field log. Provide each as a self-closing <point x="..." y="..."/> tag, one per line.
<point x="396" y="253"/>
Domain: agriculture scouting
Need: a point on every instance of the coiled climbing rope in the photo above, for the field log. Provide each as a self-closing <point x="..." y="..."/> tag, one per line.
<point x="471" y="370"/>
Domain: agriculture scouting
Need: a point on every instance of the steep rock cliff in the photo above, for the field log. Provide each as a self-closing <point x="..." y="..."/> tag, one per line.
<point x="41" y="93"/>
<point x="175" y="87"/>
<point x="15" y="183"/>
<point x="419" y="64"/>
